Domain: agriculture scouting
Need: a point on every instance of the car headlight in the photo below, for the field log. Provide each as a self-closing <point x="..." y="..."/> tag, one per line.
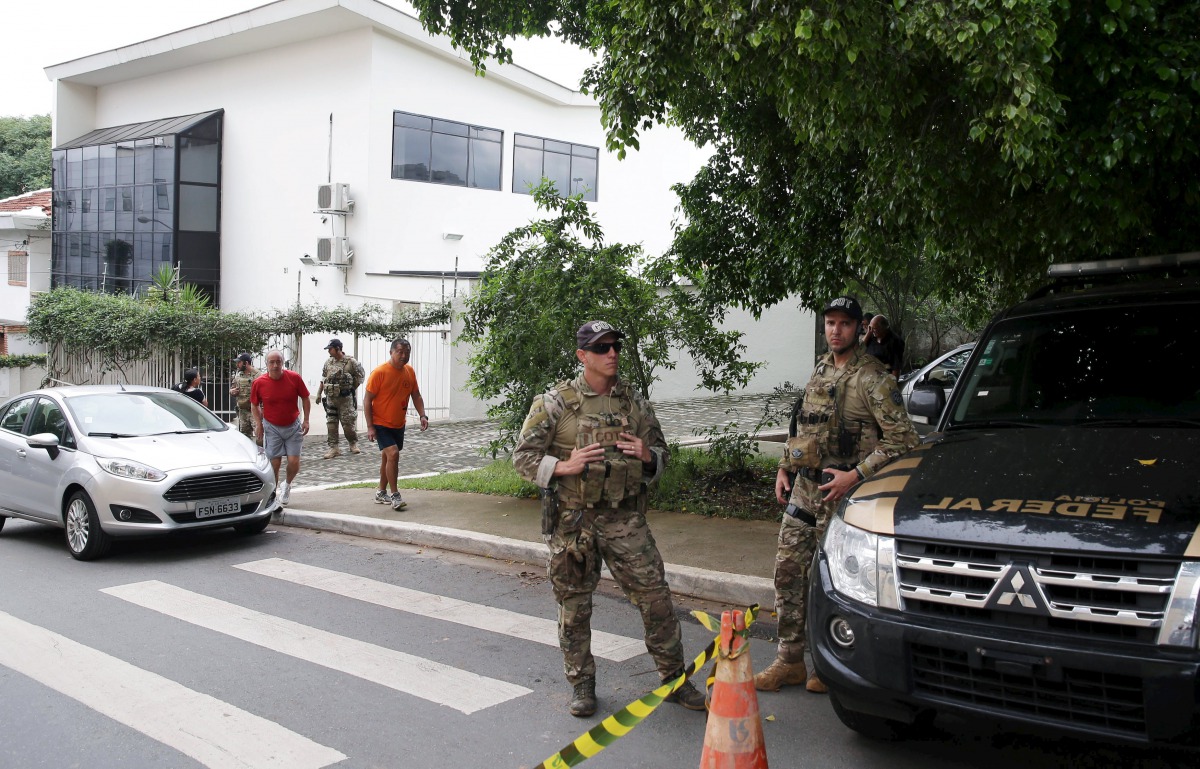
<point x="127" y="468"/>
<point x="261" y="461"/>
<point x="853" y="557"/>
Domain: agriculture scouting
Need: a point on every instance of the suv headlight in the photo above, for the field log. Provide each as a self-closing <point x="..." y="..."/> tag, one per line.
<point x="860" y="563"/>
<point x="127" y="468"/>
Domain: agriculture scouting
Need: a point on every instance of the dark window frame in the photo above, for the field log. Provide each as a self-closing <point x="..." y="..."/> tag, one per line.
<point x="590" y="193"/>
<point x="475" y="137"/>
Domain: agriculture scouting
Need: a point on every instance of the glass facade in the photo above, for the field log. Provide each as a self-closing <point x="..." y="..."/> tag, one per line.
<point x="572" y="167"/>
<point x="130" y="199"/>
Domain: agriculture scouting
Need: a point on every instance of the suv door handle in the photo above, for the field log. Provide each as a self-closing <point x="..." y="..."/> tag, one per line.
<point x="21" y="453"/>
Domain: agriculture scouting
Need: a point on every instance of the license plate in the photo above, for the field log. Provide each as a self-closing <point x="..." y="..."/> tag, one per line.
<point x="210" y="508"/>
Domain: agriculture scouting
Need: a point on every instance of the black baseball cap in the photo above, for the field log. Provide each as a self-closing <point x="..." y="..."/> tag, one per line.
<point x="846" y="304"/>
<point x="334" y="343"/>
<point x="593" y="330"/>
<point x="244" y="358"/>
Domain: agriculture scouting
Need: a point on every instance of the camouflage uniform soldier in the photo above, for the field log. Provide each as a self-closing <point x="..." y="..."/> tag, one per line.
<point x="593" y="445"/>
<point x="340" y="378"/>
<point x="243" y="377"/>
<point x="851" y="422"/>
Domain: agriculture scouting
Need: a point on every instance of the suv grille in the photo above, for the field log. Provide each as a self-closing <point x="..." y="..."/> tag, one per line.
<point x="213" y="486"/>
<point x="1119" y="598"/>
<point x="1082" y="697"/>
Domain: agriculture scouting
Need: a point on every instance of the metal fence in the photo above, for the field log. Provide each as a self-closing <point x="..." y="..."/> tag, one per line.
<point x="164" y="368"/>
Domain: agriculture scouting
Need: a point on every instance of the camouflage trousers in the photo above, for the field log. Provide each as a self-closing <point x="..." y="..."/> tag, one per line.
<point x="341" y="410"/>
<point x="797" y="546"/>
<point x="246" y="424"/>
<point x="622" y="538"/>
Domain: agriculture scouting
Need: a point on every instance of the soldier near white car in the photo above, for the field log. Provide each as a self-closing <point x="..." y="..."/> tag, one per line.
<point x="849" y="423"/>
<point x="240" y="382"/>
<point x="340" y="379"/>
<point x="594" y="445"/>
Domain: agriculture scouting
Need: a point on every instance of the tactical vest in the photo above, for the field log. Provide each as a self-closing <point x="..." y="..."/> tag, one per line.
<point x="583" y="422"/>
<point x="339" y="381"/>
<point x="822" y="419"/>
<point x="243" y="382"/>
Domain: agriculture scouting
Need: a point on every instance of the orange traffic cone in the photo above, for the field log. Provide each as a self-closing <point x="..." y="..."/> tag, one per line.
<point x="733" y="738"/>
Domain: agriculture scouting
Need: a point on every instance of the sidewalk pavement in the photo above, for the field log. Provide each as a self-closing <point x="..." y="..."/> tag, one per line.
<point x="728" y="561"/>
<point x="717" y="559"/>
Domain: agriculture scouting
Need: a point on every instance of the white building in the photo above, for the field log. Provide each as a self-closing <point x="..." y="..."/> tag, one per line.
<point x="25" y="244"/>
<point x="207" y="148"/>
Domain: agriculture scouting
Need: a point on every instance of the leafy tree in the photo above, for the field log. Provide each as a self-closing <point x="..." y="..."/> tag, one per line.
<point x="990" y="137"/>
<point x="24" y="154"/>
<point x="545" y="279"/>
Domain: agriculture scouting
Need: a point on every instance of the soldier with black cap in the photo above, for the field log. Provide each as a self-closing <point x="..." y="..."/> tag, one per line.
<point x="340" y="378"/>
<point x="594" y="445"/>
<point x="849" y="423"/>
<point x="239" y="388"/>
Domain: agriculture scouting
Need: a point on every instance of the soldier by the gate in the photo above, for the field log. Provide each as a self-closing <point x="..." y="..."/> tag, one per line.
<point x="340" y="379"/>
<point x="850" y="423"/>
<point x="595" y="445"/>
<point x="239" y="387"/>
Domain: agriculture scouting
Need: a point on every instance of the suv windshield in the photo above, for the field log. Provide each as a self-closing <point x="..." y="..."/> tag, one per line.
<point x="1098" y="365"/>
<point x="140" y="413"/>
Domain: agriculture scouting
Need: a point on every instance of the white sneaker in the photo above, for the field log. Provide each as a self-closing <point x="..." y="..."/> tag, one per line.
<point x="285" y="492"/>
<point x="381" y="497"/>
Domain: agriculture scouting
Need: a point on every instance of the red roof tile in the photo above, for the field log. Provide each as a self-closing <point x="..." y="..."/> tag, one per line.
<point x="37" y="199"/>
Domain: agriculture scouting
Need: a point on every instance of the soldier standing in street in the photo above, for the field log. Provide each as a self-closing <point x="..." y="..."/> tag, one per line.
<point x="340" y="379"/>
<point x="851" y="422"/>
<point x="594" y="445"/>
<point x="240" y="382"/>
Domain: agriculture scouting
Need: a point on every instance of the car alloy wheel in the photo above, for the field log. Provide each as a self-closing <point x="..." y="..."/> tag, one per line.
<point x="85" y="539"/>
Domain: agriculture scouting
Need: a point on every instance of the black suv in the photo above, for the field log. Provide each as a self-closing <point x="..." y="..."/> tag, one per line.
<point x="1037" y="558"/>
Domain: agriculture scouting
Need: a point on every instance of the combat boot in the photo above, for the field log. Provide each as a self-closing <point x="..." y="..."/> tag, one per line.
<point x="333" y="452"/>
<point x="816" y="685"/>
<point x="583" y="703"/>
<point x="354" y="449"/>
<point x="779" y="674"/>
<point x="687" y="695"/>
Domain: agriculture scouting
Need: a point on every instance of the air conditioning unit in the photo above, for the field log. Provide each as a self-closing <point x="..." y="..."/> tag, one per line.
<point x="334" y="251"/>
<point x="334" y="197"/>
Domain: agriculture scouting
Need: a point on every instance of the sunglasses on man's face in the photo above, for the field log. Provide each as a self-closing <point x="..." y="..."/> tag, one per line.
<point x="601" y="348"/>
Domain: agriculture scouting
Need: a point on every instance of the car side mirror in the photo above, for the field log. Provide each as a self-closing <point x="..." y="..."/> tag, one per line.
<point x="927" y="403"/>
<point x="47" y="441"/>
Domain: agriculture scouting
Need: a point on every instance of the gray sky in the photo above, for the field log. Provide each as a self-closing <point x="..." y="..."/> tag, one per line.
<point x="40" y="33"/>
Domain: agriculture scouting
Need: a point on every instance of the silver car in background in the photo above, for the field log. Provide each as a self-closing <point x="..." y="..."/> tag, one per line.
<point x="944" y="371"/>
<point x="105" y="461"/>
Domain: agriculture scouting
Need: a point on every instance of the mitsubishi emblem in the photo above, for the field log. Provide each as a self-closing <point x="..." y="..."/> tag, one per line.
<point x="1017" y="583"/>
<point x="1018" y="591"/>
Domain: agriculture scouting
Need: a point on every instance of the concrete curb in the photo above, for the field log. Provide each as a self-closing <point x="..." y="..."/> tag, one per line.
<point x="723" y="587"/>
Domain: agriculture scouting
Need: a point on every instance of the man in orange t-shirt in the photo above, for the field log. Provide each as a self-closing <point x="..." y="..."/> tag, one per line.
<point x="385" y="406"/>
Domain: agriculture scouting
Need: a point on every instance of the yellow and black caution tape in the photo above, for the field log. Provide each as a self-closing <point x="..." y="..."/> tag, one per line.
<point x="624" y="720"/>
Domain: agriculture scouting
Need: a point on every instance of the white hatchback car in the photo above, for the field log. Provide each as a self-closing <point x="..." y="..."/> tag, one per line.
<point x="105" y="461"/>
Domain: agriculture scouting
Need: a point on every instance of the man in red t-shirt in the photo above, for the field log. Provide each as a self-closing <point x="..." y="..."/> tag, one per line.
<point x="385" y="406"/>
<point x="277" y="424"/>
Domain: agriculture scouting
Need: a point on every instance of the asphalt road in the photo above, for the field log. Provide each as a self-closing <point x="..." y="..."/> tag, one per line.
<point x="296" y="649"/>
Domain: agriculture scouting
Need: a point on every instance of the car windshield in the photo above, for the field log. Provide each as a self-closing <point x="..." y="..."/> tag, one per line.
<point x="140" y="413"/>
<point x="1102" y="365"/>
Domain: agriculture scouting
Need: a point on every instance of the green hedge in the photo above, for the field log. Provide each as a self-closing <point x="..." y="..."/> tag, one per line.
<point x="22" y="361"/>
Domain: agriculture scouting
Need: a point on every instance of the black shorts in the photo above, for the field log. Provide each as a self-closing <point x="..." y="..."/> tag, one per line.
<point x="389" y="436"/>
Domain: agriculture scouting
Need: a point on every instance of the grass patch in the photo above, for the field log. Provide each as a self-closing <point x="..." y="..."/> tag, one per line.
<point x="695" y="481"/>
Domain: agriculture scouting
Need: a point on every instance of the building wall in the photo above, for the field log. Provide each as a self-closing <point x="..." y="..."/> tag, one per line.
<point x="278" y="106"/>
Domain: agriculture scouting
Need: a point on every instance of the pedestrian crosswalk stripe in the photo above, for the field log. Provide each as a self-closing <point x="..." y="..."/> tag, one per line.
<point x="207" y="730"/>
<point x="462" y="690"/>
<point x="545" y="631"/>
